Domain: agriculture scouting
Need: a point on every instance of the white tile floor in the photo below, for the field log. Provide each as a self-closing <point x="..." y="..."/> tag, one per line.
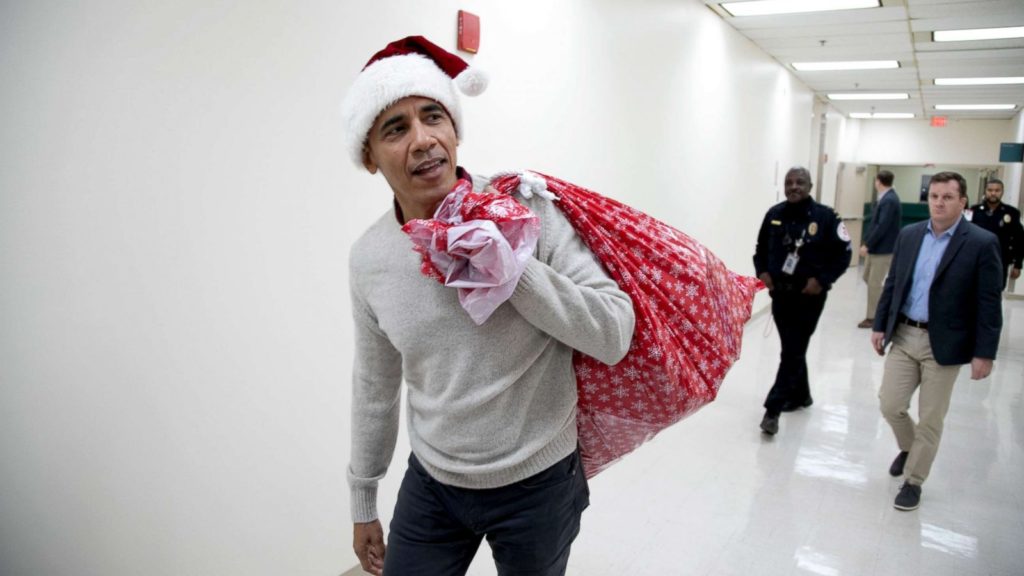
<point x="712" y="496"/>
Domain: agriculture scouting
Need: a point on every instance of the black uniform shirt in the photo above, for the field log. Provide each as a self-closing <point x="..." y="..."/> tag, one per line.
<point x="1004" y="222"/>
<point x="825" y="251"/>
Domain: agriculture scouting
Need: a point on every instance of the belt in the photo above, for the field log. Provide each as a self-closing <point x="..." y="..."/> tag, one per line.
<point x="904" y="320"/>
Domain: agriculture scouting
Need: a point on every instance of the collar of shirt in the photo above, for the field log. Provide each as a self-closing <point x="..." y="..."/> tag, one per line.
<point x="460" y="174"/>
<point x="949" y="232"/>
<point x="929" y="255"/>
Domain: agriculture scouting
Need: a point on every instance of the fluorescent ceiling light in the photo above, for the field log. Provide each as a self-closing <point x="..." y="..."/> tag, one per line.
<point x="979" y="81"/>
<point x="978" y="34"/>
<point x="867" y="96"/>
<point x="768" y="7"/>
<point x="850" y="65"/>
<point x="882" y="115"/>
<point x="975" y="106"/>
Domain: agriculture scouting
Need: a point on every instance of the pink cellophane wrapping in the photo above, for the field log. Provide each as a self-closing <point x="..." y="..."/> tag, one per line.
<point x="479" y="243"/>
<point x="690" y="311"/>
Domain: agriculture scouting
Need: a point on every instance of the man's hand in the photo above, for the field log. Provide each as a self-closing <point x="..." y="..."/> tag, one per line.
<point x="863" y="250"/>
<point x="980" y="368"/>
<point x="368" y="542"/>
<point x="813" y="288"/>
<point x="878" y="342"/>
<point x="1015" y="272"/>
<point x="767" y="279"/>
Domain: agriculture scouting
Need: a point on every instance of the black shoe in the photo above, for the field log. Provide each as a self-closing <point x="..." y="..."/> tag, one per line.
<point x="896" y="469"/>
<point x="770" y="424"/>
<point x="909" y="497"/>
<point x="791" y="406"/>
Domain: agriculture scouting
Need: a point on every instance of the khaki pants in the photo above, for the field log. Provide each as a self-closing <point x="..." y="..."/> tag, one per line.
<point x="910" y="366"/>
<point x="876" y="266"/>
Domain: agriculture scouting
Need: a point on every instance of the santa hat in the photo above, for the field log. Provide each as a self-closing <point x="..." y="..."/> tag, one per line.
<point x="412" y="66"/>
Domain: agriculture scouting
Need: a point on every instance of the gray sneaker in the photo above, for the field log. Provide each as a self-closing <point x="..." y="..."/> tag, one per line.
<point x="770" y="424"/>
<point x="909" y="497"/>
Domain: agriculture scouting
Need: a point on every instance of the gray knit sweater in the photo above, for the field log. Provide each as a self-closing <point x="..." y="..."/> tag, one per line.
<point x="487" y="405"/>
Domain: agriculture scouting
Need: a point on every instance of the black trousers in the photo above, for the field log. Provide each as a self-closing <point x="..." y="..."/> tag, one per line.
<point x="530" y="525"/>
<point x="796" y="316"/>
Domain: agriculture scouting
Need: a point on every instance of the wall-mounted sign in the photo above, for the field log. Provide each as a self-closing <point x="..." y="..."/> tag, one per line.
<point x="1011" y="152"/>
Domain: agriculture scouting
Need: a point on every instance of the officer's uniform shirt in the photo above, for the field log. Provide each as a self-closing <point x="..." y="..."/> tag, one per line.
<point x="824" y="244"/>
<point x="1004" y="222"/>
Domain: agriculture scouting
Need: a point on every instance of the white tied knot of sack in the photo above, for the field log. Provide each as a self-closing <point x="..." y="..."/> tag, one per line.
<point x="530" y="184"/>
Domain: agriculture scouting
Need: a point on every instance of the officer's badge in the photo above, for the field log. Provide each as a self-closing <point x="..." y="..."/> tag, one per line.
<point x="812" y="229"/>
<point x="1006" y="218"/>
<point x="842" y="232"/>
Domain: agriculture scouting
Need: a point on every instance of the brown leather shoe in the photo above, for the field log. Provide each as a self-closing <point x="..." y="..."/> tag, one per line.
<point x="866" y="323"/>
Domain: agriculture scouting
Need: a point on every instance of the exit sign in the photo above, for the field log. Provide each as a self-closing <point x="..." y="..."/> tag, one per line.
<point x="939" y="121"/>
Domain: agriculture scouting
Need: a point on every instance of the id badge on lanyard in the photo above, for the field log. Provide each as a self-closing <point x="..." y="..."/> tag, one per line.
<point x="793" y="258"/>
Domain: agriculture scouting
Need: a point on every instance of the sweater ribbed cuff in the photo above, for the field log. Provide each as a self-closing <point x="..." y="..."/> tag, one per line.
<point x="364" y="504"/>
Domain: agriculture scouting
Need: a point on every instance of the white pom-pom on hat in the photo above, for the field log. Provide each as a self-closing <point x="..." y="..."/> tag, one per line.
<point x="472" y="81"/>
<point x="412" y="66"/>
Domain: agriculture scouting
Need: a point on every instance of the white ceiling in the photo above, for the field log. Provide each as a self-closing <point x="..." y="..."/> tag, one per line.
<point x="899" y="30"/>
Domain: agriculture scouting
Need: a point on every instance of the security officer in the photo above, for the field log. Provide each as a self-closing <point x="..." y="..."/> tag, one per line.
<point x="1004" y="222"/>
<point x="802" y="248"/>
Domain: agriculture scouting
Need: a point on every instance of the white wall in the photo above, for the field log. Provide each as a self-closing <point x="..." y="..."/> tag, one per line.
<point x="838" y="133"/>
<point x="175" y="215"/>
<point x="962" y="142"/>
<point x="1013" y="174"/>
<point x="907" y="180"/>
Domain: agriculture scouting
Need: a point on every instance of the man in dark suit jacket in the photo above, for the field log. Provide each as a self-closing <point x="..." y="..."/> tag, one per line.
<point x="940" y="309"/>
<point x="886" y="217"/>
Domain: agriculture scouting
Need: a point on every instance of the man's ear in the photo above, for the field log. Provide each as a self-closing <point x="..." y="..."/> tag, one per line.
<point x="368" y="162"/>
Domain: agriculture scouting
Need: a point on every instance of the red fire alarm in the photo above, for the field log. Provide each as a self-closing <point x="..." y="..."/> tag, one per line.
<point x="939" y="121"/>
<point x="469" y="32"/>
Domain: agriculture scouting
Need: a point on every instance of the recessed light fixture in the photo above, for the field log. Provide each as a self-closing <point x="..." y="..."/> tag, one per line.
<point x="882" y="115"/>
<point x="769" y="7"/>
<point x="979" y="81"/>
<point x="975" y="106"/>
<point x="868" y="96"/>
<point x="978" y="34"/>
<point x="849" y="65"/>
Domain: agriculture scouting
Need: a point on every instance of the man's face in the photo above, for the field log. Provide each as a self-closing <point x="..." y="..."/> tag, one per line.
<point x="797" y="185"/>
<point x="413" y="144"/>
<point x="993" y="194"/>
<point x="945" y="203"/>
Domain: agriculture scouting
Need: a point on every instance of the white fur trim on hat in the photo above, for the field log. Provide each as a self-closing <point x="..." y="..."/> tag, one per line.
<point x="387" y="81"/>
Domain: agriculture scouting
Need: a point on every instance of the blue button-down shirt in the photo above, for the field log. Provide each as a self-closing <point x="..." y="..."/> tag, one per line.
<point x="928" y="258"/>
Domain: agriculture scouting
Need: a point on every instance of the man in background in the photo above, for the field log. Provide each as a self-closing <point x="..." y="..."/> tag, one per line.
<point x="940" y="309"/>
<point x="1004" y="222"/>
<point x="886" y="216"/>
<point x="802" y="248"/>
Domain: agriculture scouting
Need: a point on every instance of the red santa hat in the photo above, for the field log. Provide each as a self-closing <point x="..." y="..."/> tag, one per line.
<point x="412" y="66"/>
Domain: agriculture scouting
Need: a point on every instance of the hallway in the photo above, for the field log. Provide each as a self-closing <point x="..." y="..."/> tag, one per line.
<point x="712" y="496"/>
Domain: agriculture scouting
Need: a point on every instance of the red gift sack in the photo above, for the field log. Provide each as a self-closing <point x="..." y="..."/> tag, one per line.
<point x="690" y="311"/>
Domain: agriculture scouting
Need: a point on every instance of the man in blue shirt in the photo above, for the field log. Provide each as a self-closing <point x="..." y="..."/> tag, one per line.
<point x="940" y="309"/>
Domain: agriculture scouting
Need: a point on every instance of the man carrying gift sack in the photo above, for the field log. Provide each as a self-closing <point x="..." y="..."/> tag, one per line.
<point x="491" y="407"/>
